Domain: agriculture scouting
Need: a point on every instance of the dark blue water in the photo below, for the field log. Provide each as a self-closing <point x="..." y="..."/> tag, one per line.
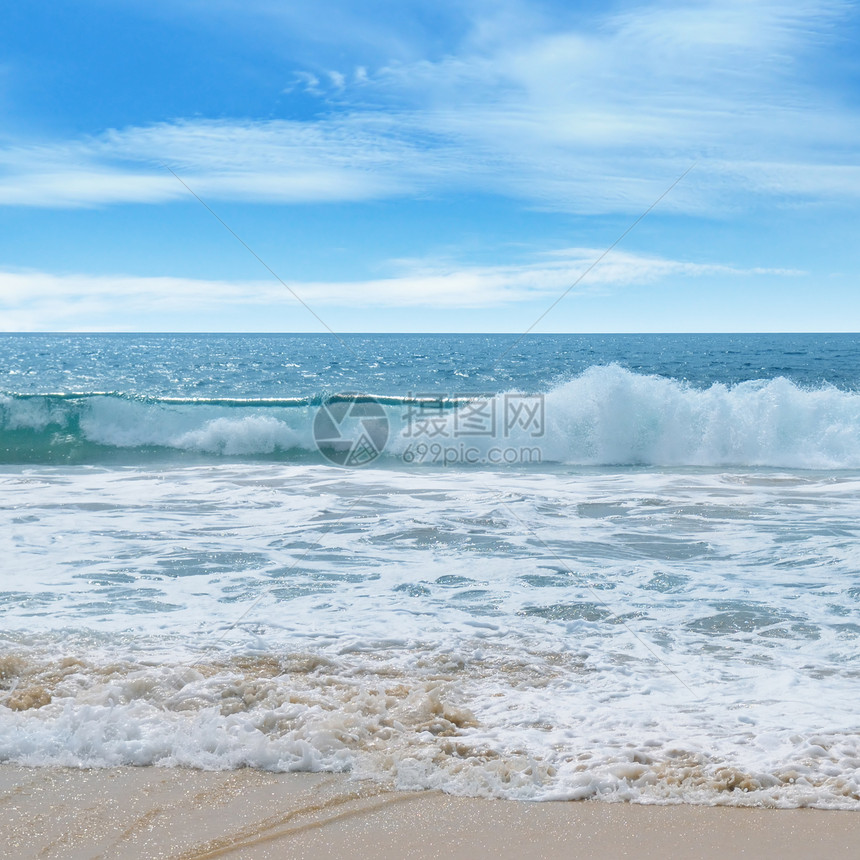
<point x="230" y="365"/>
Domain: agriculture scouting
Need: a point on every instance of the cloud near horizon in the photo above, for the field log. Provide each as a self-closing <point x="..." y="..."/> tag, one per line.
<point x="72" y="302"/>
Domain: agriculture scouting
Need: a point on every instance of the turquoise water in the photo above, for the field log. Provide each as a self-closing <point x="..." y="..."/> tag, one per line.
<point x="619" y="567"/>
<point x="778" y="400"/>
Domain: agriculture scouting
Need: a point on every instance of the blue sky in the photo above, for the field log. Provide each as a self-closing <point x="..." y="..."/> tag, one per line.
<point x="441" y="166"/>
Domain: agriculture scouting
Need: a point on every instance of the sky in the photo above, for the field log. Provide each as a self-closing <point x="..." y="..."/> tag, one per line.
<point x="216" y="165"/>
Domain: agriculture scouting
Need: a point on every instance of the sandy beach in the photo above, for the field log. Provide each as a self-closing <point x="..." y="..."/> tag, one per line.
<point x="183" y="814"/>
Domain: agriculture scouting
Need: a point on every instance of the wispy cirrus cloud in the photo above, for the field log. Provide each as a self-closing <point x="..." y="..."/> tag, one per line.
<point x="30" y="299"/>
<point x="588" y="115"/>
<point x="272" y="161"/>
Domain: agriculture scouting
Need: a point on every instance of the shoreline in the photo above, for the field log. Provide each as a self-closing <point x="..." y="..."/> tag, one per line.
<point x="184" y="814"/>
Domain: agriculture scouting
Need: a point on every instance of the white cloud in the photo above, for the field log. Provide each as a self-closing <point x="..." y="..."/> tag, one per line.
<point x="44" y="301"/>
<point x="306" y="81"/>
<point x="337" y="160"/>
<point x="597" y="115"/>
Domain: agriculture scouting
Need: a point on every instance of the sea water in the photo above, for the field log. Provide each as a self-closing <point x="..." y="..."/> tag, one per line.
<point x="615" y="567"/>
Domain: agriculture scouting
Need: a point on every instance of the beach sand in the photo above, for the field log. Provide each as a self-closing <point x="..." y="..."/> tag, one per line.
<point x="179" y="813"/>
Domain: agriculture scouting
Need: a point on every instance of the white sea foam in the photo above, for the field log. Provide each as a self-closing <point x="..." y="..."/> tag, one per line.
<point x="611" y="416"/>
<point x="659" y="636"/>
<point x="464" y="724"/>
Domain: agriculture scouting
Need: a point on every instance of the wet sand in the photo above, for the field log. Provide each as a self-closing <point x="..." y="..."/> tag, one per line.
<point x="182" y="814"/>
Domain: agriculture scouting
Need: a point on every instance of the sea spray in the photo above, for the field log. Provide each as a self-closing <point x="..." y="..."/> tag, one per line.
<point x="606" y="416"/>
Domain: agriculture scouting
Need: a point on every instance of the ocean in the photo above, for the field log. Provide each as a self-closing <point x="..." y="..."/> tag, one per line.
<point x="620" y="567"/>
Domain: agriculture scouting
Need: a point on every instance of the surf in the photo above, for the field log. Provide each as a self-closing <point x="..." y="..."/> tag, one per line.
<point x="604" y="416"/>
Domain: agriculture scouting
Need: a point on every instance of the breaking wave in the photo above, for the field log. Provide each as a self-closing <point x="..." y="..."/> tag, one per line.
<point x="604" y="416"/>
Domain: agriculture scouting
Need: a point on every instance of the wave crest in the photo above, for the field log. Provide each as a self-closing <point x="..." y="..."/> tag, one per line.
<point x="611" y="416"/>
<point x="606" y="416"/>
